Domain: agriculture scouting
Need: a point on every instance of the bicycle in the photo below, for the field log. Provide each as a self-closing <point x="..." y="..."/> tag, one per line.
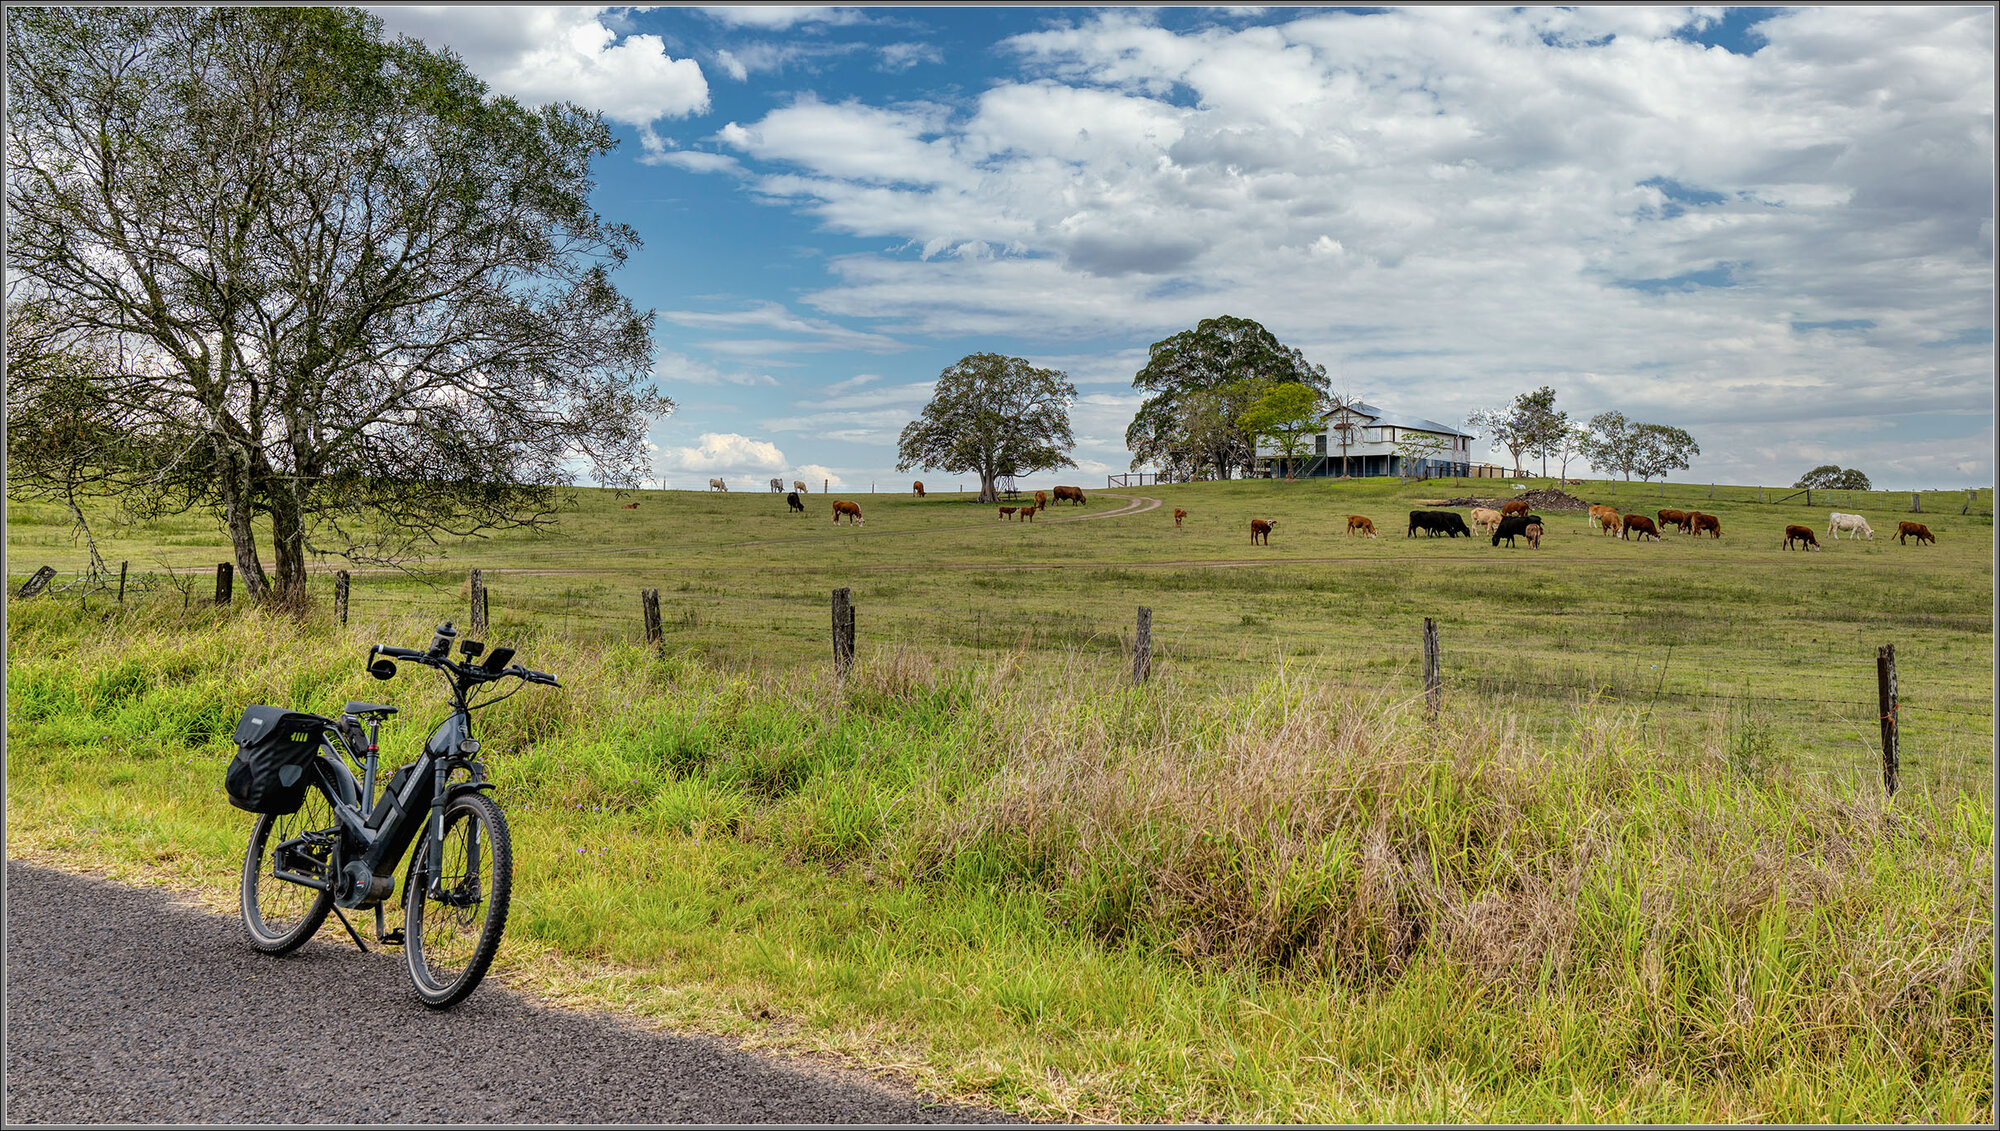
<point x="325" y="842"/>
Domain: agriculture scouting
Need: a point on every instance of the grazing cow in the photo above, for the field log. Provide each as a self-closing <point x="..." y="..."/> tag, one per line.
<point x="1606" y="519"/>
<point x="1923" y="533"/>
<point x="851" y="510"/>
<point x="1007" y="513"/>
<point x="917" y="488"/>
<point x="1179" y="514"/>
<point x="1041" y="499"/>
<point x="1513" y="506"/>
<point x="1642" y="524"/>
<point x="718" y="485"/>
<point x="1515" y="524"/>
<point x="799" y="485"/>
<point x="1073" y="495"/>
<point x="1673" y="518"/>
<point x="1028" y="513"/>
<point x="1485" y="519"/>
<point x="1449" y="523"/>
<point x="777" y="486"/>
<point x="1801" y="534"/>
<point x="631" y="506"/>
<point x="1534" y="533"/>
<point x="792" y="501"/>
<point x="1699" y="522"/>
<point x="1362" y="523"/>
<point x="1261" y="529"/>
<point x="1854" y="524"/>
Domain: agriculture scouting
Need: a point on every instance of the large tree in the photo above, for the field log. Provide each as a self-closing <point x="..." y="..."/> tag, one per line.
<point x="1233" y="360"/>
<point x="1529" y="424"/>
<point x="994" y="416"/>
<point x="1660" y="448"/>
<point x="1608" y="443"/>
<point x="325" y="284"/>
<point x="1831" y="475"/>
<point x="1287" y="416"/>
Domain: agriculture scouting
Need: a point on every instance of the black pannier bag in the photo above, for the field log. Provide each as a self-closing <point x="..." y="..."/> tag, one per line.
<point x="273" y="745"/>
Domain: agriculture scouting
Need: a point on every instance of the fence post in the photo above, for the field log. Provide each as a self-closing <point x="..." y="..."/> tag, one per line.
<point x="121" y="581"/>
<point x="1711" y="490"/>
<point x="1142" y="647"/>
<point x="38" y="582"/>
<point x="1760" y="494"/>
<point x="340" y="597"/>
<point x="843" y="632"/>
<point x="1809" y="496"/>
<point x="225" y="581"/>
<point x="649" y="610"/>
<point x="1916" y="502"/>
<point x="1885" y="681"/>
<point x="478" y="617"/>
<point x="1433" y="673"/>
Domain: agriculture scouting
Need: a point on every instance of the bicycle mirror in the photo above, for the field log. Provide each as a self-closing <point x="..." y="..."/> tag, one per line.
<point x="383" y="669"/>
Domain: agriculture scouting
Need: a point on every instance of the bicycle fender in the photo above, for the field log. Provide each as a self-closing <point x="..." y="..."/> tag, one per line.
<point x="452" y="792"/>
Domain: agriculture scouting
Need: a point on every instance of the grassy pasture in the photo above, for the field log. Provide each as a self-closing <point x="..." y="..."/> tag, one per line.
<point x="1261" y="888"/>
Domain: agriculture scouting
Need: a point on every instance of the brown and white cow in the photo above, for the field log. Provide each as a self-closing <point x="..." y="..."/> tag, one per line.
<point x="1534" y="533"/>
<point x="1606" y="519"/>
<point x="1261" y="529"/>
<point x="1362" y="523"/>
<point x="1041" y="500"/>
<point x="917" y="488"/>
<point x="1803" y="535"/>
<point x="1698" y="522"/>
<point x="1007" y="513"/>
<point x="1179" y="514"/>
<point x="851" y="510"/>
<point x="1643" y="525"/>
<point x="1028" y="513"/>
<point x="1904" y="530"/>
<point x="631" y="506"/>
<point x="799" y="485"/>
<point x="1674" y="518"/>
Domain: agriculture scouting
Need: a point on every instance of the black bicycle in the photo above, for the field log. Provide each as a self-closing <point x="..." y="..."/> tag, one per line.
<point x="327" y="842"/>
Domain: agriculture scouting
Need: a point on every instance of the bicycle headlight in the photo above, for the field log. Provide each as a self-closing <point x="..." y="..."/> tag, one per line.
<point x="468" y="746"/>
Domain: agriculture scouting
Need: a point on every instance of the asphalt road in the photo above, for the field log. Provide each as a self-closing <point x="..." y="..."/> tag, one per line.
<point x="126" y="1007"/>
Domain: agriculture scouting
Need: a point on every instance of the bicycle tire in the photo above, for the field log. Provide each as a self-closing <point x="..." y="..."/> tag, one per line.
<point x="451" y="929"/>
<point x="280" y="915"/>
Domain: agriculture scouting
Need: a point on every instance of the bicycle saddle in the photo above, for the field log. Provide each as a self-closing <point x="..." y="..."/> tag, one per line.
<point x="357" y="708"/>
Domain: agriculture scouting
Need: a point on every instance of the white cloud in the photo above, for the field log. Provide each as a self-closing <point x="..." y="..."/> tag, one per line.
<point x="818" y="477"/>
<point x="722" y="454"/>
<point x="777" y="17"/>
<point x="696" y="161"/>
<point x="817" y="333"/>
<point x="671" y="369"/>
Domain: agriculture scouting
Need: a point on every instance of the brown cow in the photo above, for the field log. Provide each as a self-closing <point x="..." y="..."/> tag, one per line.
<point x="1606" y="519"/>
<point x="1007" y="513"/>
<point x="1041" y="500"/>
<point x="1513" y="506"/>
<point x="1923" y="533"/>
<point x="917" y="488"/>
<point x="1261" y="529"/>
<point x="631" y="506"/>
<point x="1803" y="535"/>
<point x="851" y="510"/>
<point x="1673" y="518"/>
<point x="1028" y="513"/>
<point x="1178" y="515"/>
<point x="1534" y="533"/>
<point x="1362" y="523"/>
<point x="1642" y="524"/>
<point x="1698" y="522"/>
<point x="1071" y="494"/>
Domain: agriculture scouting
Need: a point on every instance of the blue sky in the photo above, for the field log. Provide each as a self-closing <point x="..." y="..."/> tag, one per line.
<point x="1772" y="227"/>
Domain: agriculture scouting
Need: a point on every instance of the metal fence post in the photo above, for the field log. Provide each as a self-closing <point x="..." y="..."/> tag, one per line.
<point x="1885" y="681"/>
<point x="1142" y="647"/>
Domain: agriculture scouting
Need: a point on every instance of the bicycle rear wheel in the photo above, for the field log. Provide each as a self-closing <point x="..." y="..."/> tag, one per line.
<point x="452" y="921"/>
<point x="282" y="914"/>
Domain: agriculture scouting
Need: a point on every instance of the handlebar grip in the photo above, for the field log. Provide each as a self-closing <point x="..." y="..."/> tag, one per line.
<point x="399" y="653"/>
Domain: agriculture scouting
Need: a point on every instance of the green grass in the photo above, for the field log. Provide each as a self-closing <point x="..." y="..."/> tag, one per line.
<point x="1261" y="887"/>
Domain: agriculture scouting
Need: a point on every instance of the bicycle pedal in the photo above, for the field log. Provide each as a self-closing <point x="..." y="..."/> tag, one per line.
<point x="392" y="938"/>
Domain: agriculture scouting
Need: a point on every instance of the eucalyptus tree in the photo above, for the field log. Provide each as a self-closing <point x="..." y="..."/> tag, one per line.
<point x="1226" y="359"/>
<point x="993" y="416"/>
<point x="328" y="285"/>
<point x="1287" y="415"/>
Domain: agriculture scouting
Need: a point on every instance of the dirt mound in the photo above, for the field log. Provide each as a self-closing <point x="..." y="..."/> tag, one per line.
<point x="1550" y="499"/>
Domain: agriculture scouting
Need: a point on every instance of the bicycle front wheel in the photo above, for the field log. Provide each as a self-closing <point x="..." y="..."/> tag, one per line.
<point x="452" y="921"/>
<point x="281" y="913"/>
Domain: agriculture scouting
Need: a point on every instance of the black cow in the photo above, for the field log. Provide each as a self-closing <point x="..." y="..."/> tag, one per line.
<point x="792" y="500"/>
<point x="1512" y="525"/>
<point x="1449" y="523"/>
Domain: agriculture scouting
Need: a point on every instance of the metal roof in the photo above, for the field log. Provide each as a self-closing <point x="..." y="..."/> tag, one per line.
<point x="1381" y="419"/>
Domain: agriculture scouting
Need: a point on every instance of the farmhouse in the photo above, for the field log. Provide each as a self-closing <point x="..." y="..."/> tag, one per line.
<point x="1368" y="437"/>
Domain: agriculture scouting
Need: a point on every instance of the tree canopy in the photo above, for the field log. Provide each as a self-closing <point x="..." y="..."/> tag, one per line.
<point x="1660" y="448"/>
<point x="323" y="283"/>
<point x="1830" y="475"/>
<point x="1202" y="382"/>
<point x="1530" y="424"/>
<point x="995" y="416"/>
<point x="1286" y="415"/>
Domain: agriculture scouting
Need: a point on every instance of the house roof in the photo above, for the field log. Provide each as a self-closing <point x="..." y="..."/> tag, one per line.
<point x="1380" y="419"/>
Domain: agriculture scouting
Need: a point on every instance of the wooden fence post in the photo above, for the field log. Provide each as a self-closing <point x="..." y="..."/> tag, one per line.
<point x="1711" y="490"/>
<point x="38" y="582"/>
<point x="649" y="609"/>
<point x="225" y="581"/>
<point x="1433" y="670"/>
<point x="1885" y="682"/>
<point x="340" y="583"/>
<point x="1916" y="502"/>
<point x="1142" y="647"/>
<point x="1760" y="494"/>
<point x="843" y="632"/>
<point x="122" y="566"/>
<point x="478" y="610"/>
<point x="1969" y="496"/>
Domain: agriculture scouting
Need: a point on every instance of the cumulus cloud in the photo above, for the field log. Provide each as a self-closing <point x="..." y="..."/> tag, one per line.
<point x="722" y="454"/>
<point x="777" y="17"/>
<point x="818" y="477"/>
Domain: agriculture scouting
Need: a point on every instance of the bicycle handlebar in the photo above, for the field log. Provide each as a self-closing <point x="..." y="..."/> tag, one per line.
<point x="480" y="674"/>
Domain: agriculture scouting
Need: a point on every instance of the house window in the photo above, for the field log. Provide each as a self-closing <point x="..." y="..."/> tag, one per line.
<point x="1319" y="444"/>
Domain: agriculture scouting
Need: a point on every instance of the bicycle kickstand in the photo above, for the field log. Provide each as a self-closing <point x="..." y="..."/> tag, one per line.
<point x="356" y="935"/>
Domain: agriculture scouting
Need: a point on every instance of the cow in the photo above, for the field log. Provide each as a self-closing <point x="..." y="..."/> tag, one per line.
<point x="851" y="510"/>
<point x="1801" y="534"/>
<point x="1515" y="524"/>
<point x="777" y="486"/>
<point x="718" y="485"/>
<point x="1513" y="506"/>
<point x="1261" y="529"/>
<point x="1699" y="522"/>
<point x="917" y="488"/>
<point x="1534" y="534"/>
<point x="799" y="485"/>
<point x="1041" y="499"/>
<point x="1362" y="523"/>
<point x="631" y="506"/>
<point x="1449" y="523"/>
<point x="1028" y="513"/>
<point x="1179" y="514"/>
<point x="1674" y="518"/>
<point x="1606" y="519"/>
<point x="1007" y="513"/>
<point x="1073" y="495"/>
<point x="1642" y="524"/>
<point x="1923" y="533"/>
<point x="1485" y="519"/>
<point x="792" y="501"/>
<point x="1854" y="524"/>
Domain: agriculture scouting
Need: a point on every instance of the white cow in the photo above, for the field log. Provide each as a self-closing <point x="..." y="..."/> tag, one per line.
<point x="1854" y="524"/>
<point x="718" y="485"/>
<point x="777" y="486"/>
<point x="799" y="485"/>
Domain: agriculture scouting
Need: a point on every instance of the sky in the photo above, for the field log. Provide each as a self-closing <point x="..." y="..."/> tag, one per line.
<point x="1772" y="227"/>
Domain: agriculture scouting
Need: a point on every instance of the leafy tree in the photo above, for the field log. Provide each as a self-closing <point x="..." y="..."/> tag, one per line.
<point x="1608" y="445"/>
<point x="1831" y="476"/>
<point x="1502" y="429"/>
<point x="1571" y="445"/>
<point x="328" y="285"/>
<point x="1230" y="358"/>
<point x="1287" y="415"/>
<point x="1540" y="424"/>
<point x="1417" y="449"/>
<point x="1660" y="448"/>
<point x="995" y="416"/>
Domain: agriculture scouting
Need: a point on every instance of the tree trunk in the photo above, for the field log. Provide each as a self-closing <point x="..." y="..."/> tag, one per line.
<point x="988" y="493"/>
<point x="288" y="545"/>
<point x="233" y="476"/>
